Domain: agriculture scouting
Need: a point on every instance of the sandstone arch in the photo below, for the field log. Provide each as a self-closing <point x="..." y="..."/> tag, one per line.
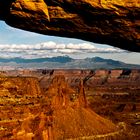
<point x="113" y="22"/>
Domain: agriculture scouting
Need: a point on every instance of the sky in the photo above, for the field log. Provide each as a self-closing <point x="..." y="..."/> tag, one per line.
<point x="18" y="43"/>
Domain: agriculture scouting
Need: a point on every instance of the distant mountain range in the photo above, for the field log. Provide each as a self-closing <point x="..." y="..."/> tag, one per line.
<point x="59" y="59"/>
<point x="66" y="62"/>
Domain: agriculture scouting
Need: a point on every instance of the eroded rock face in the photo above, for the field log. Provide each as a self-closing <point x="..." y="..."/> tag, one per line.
<point x="57" y="114"/>
<point x="113" y="22"/>
<point x="97" y="81"/>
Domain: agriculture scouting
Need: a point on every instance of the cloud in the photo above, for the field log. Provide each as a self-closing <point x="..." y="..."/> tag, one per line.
<point x="49" y="49"/>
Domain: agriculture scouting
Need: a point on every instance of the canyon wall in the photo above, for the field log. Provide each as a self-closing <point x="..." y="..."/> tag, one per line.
<point x="92" y="78"/>
<point x="95" y="78"/>
<point x="58" y="113"/>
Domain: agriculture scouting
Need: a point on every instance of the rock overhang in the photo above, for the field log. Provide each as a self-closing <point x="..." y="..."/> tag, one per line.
<point x="111" y="22"/>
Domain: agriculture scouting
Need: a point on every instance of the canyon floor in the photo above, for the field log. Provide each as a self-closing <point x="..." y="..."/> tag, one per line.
<point x="70" y="104"/>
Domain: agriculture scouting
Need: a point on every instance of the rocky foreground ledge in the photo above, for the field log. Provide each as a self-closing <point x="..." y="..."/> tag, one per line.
<point x="113" y="22"/>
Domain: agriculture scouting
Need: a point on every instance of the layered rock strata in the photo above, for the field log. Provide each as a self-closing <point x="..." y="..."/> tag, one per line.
<point x="60" y="113"/>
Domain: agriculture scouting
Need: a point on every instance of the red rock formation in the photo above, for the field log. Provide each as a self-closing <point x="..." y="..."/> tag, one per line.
<point x="104" y="80"/>
<point x="63" y="118"/>
<point x="115" y="73"/>
<point x="60" y="111"/>
<point x="72" y="118"/>
<point x="110" y="22"/>
<point x="82" y="95"/>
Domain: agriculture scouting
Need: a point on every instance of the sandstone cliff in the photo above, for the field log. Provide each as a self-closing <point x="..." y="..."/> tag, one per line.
<point x="113" y="22"/>
<point x="70" y="117"/>
<point x="60" y="113"/>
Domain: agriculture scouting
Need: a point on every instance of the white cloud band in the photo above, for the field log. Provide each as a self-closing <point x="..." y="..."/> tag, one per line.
<point x="52" y="49"/>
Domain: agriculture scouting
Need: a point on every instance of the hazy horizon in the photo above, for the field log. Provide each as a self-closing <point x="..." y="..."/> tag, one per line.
<point x="18" y="43"/>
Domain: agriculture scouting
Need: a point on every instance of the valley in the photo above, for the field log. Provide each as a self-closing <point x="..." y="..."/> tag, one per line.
<point x="71" y="104"/>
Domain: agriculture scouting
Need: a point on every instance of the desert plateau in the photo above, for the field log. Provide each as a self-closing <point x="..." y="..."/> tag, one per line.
<point x="69" y="70"/>
<point x="59" y="104"/>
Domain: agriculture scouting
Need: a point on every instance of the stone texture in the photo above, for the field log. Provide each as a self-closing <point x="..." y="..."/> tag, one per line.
<point x="113" y="22"/>
<point x="60" y="113"/>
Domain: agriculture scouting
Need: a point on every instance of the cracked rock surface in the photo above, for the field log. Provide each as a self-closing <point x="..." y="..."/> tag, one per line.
<point x="112" y="22"/>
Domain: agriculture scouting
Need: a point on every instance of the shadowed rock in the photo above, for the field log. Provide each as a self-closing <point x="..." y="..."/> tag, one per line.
<point x="110" y="22"/>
